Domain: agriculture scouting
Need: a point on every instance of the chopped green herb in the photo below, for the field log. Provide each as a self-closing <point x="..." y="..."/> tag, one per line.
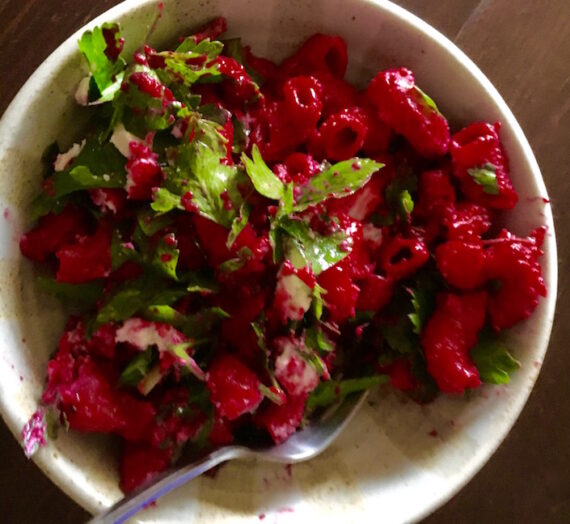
<point x="427" y="101"/>
<point x="316" y="339"/>
<point x="166" y="257"/>
<point x="318" y="301"/>
<point x="493" y="360"/>
<point x="486" y="176"/>
<point x="399" y="195"/>
<point x="107" y="70"/>
<point x="263" y="179"/>
<point x="320" y="251"/>
<point x="423" y="294"/>
<point x="328" y="393"/>
<point x="138" y="367"/>
<point x="121" y="251"/>
<point x="238" y="224"/>
<point x="339" y="180"/>
<point x="79" y="295"/>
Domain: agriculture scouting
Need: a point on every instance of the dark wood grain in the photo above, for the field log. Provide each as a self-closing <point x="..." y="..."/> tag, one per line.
<point x="523" y="47"/>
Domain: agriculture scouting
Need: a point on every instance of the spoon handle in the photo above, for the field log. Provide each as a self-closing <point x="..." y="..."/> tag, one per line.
<point x="133" y="503"/>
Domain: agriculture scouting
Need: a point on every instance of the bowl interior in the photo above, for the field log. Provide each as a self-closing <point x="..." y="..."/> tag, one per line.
<point x="388" y="456"/>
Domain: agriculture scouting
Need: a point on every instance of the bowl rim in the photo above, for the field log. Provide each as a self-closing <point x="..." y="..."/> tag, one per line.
<point x="68" y="48"/>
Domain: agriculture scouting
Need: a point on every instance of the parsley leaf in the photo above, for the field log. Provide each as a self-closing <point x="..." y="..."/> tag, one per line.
<point x="197" y="326"/>
<point x="240" y="137"/>
<point x="163" y="201"/>
<point x="273" y="393"/>
<point x="138" y="367"/>
<point x="423" y="301"/>
<point x="97" y="166"/>
<point x="180" y="351"/>
<point x="339" y="180"/>
<point x="135" y="296"/>
<point x="486" y="176"/>
<point x="166" y="257"/>
<point x="140" y="111"/>
<point x="233" y="264"/>
<point x="80" y="295"/>
<point x="316" y="339"/>
<point x="427" y="100"/>
<point x="200" y="283"/>
<point x="121" y="251"/>
<point x="399" y="195"/>
<point x="406" y="202"/>
<point x="151" y="223"/>
<point x="238" y="224"/>
<point x="164" y="313"/>
<point x="234" y="49"/>
<point x="264" y="180"/>
<point x="318" y="301"/>
<point x="190" y="62"/>
<point x="320" y="251"/>
<point x="199" y="169"/>
<point x="332" y="391"/>
<point x="493" y="360"/>
<point x="106" y="68"/>
<point x="399" y="336"/>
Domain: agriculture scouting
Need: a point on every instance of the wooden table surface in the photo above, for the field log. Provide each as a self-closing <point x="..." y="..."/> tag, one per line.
<point x="523" y="46"/>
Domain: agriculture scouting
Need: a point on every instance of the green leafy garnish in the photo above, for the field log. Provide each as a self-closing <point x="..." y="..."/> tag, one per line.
<point x="151" y="223"/>
<point x="398" y="336"/>
<point x="135" y="296"/>
<point x="233" y="264"/>
<point x="316" y="339"/>
<point x="197" y="325"/>
<point x="140" y="111"/>
<point x="263" y="179"/>
<point x="200" y="283"/>
<point x="240" y="137"/>
<point x="493" y="360"/>
<point x="318" y="301"/>
<point x="320" y="251"/>
<point x="332" y="391"/>
<point x="121" y="252"/>
<point x="166" y="257"/>
<point x="486" y="176"/>
<point x="97" y="166"/>
<point x="423" y="301"/>
<point x="180" y="351"/>
<point x="406" y="202"/>
<point x="200" y="325"/>
<point x="79" y="295"/>
<point x="238" y="224"/>
<point x="164" y="313"/>
<point x="399" y="195"/>
<point x="427" y="100"/>
<point x="213" y="184"/>
<point x="234" y="49"/>
<point x="107" y="71"/>
<point x="150" y="380"/>
<point x="275" y="393"/>
<point x="277" y="397"/>
<point x="190" y="62"/>
<point x="163" y="201"/>
<point x="138" y="367"/>
<point x="338" y="180"/>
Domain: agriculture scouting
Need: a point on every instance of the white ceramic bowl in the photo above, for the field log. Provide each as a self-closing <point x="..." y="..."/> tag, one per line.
<point x="386" y="467"/>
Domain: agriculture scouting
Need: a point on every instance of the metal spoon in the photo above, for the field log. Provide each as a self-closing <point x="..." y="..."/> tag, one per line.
<point x="303" y="445"/>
